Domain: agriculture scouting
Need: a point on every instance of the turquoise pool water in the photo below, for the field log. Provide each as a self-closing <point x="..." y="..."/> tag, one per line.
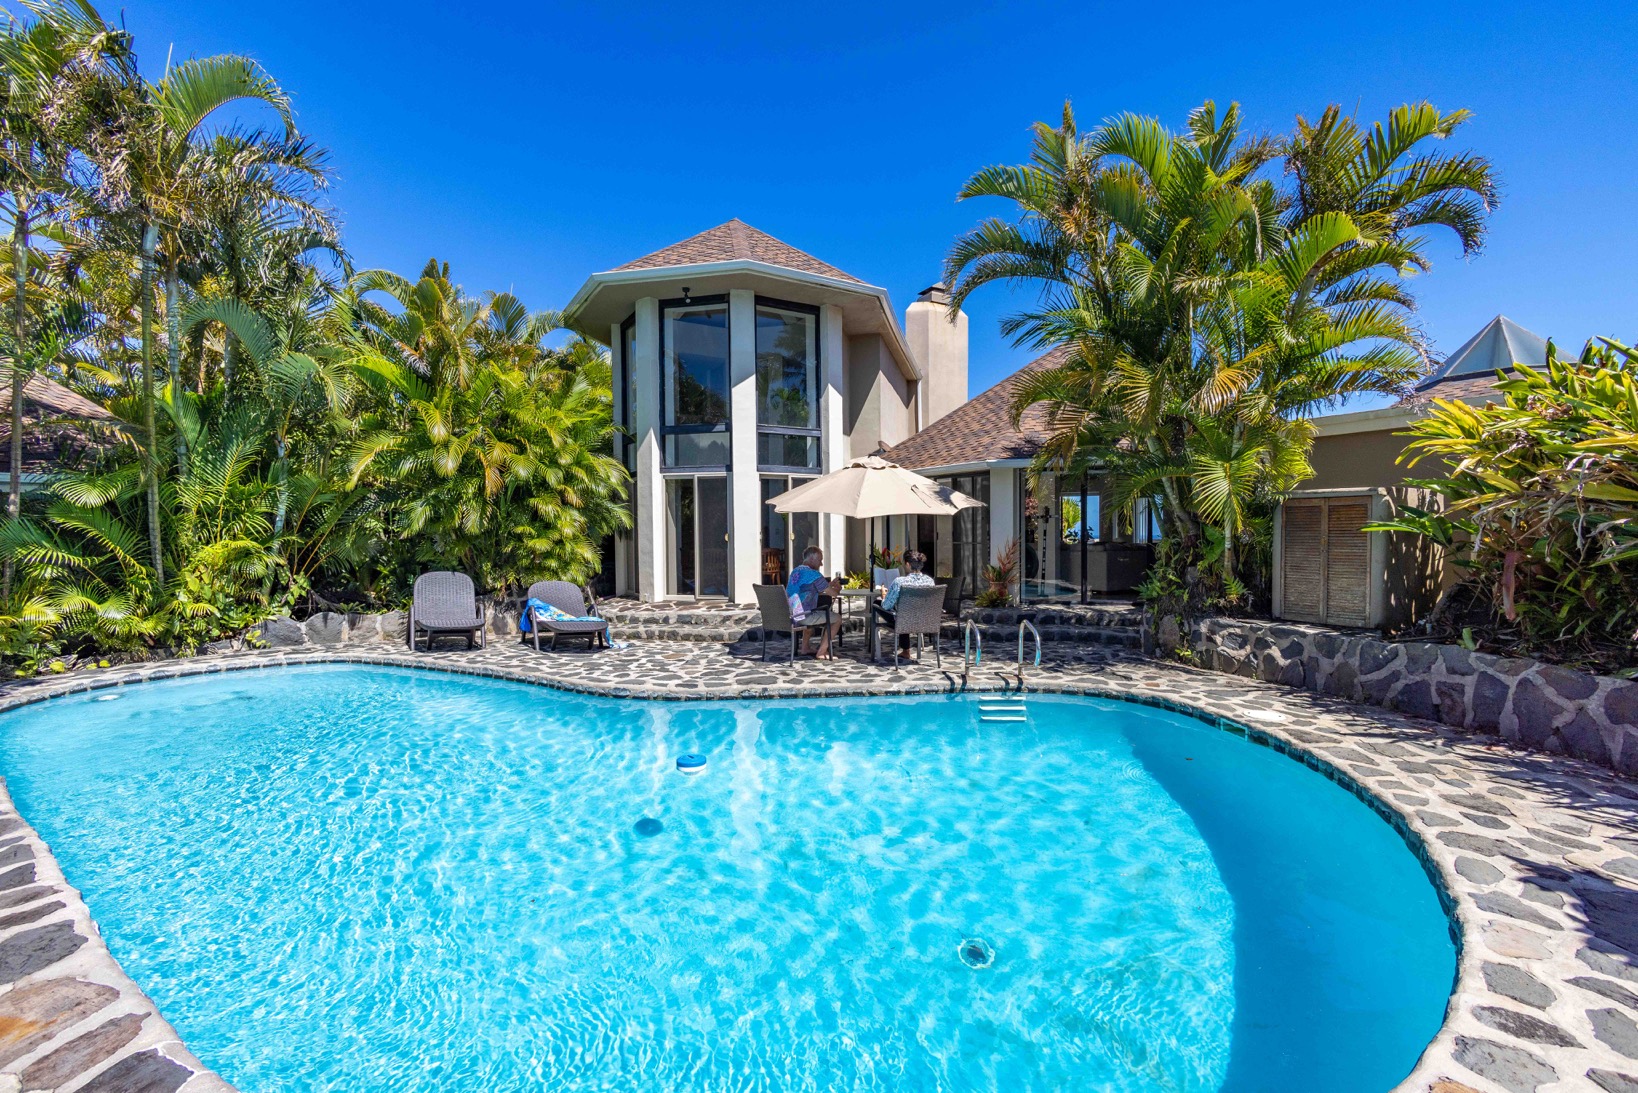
<point x="348" y="878"/>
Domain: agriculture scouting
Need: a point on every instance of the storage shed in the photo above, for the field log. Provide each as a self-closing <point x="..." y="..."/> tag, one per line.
<point x="1329" y="570"/>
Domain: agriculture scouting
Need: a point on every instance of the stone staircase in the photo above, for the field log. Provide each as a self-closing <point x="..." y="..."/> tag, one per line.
<point x="1109" y="623"/>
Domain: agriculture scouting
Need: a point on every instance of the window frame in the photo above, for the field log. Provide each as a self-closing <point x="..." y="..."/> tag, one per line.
<point x="726" y="426"/>
<point x="787" y="469"/>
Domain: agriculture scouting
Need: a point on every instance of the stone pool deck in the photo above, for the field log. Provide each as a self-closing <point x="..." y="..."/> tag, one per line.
<point x="1536" y="856"/>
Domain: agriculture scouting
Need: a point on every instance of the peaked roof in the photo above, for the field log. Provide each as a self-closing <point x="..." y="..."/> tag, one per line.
<point x="1501" y="344"/>
<point x="980" y="430"/>
<point x="736" y="240"/>
<point x="1470" y="372"/>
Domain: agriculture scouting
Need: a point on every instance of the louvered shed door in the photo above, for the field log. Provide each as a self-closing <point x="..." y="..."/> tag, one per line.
<point x="1347" y="563"/>
<point x="1326" y="558"/>
<point x="1304" y="560"/>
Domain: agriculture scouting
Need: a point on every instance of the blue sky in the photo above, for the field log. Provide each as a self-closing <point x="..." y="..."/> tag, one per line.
<point x="532" y="144"/>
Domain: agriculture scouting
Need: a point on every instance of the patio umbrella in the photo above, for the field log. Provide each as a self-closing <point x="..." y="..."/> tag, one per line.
<point x="870" y="487"/>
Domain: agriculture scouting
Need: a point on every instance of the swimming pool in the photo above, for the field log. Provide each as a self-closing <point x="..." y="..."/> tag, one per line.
<point x="343" y="877"/>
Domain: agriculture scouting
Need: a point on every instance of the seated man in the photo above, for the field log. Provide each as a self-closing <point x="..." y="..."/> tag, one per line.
<point x="814" y="590"/>
<point x="915" y="560"/>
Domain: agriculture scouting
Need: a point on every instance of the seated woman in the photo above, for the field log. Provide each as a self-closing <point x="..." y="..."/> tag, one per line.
<point x="915" y="560"/>
<point x="809" y="585"/>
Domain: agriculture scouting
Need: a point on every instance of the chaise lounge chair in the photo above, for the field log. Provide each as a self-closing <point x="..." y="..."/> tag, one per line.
<point x="445" y="603"/>
<point x="571" y="600"/>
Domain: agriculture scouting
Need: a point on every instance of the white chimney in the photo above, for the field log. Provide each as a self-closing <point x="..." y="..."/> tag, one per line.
<point x="940" y="347"/>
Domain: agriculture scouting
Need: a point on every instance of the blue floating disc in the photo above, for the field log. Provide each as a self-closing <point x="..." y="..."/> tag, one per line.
<point x="690" y="763"/>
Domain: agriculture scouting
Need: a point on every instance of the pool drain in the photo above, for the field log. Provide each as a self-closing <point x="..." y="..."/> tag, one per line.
<point x="976" y="952"/>
<point x="648" y="827"/>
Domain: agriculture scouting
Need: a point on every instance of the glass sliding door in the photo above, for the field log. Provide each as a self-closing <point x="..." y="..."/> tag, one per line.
<point x="681" y="526"/>
<point x="697" y="562"/>
<point x="784" y="538"/>
<point x="970" y="531"/>
<point x="712" y="494"/>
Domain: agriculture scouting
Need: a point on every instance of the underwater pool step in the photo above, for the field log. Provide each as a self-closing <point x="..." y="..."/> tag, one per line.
<point x="1002" y="709"/>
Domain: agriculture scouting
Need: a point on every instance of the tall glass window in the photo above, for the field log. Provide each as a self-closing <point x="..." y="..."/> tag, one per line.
<point x="787" y="386"/>
<point x="627" y="379"/>
<point x="695" y="379"/>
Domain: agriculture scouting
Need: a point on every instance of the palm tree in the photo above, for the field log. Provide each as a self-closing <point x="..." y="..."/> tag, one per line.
<point x="157" y="178"/>
<point x="51" y="63"/>
<point x="1208" y="311"/>
<point x="258" y="222"/>
<point x="491" y="448"/>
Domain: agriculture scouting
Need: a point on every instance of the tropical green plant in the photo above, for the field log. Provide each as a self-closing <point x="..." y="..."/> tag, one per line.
<point x="490" y="449"/>
<point x="89" y="586"/>
<point x="1206" y="310"/>
<point x="1539" y="508"/>
<point x="56" y="63"/>
<point x="313" y="432"/>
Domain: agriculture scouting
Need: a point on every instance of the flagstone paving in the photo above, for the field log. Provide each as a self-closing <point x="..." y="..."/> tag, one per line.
<point x="1536" y="856"/>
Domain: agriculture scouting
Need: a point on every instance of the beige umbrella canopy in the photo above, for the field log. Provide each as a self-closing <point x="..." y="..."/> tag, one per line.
<point x="871" y="487"/>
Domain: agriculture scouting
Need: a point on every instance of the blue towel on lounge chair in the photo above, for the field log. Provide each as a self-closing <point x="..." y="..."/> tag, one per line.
<point x="548" y="613"/>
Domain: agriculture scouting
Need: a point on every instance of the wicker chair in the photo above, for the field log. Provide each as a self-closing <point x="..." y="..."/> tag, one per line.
<point x="445" y="603"/>
<point x="776" y="618"/>
<point x="919" y="612"/>
<point x="954" y="592"/>
<point x="571" y="600"/>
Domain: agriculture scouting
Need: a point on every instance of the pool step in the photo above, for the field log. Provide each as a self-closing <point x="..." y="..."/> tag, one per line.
<point x="999" y="708"/>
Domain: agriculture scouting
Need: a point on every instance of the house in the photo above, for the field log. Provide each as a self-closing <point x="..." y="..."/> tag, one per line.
<point x="1072" y="546"/>
<point x="744" y="366"/>
<point x="54" y="420"/>
<point x="1327" y="569"/>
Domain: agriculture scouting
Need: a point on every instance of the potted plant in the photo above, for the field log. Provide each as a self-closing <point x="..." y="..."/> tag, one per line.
<point x="1001" y="575"/>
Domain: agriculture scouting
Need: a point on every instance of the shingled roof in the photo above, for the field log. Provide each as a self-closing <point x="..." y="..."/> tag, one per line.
<point x="736" y="240"/>
<point x="981" y="430"/>
<point x="51" y="413"/>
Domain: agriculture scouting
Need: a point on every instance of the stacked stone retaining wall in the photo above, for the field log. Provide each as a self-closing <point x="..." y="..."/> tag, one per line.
<point x="1527" y="702"/>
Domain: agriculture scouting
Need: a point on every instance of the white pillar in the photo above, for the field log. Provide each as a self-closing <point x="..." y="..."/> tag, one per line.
<point x="623" y="576"/>
<point x="832" y="529"/>
<point x="744" y="484"/>
<point x="1003" y="511"/>
<point x="649" y="519"/>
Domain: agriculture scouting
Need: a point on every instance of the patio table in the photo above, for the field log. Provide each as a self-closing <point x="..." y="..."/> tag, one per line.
<point x="863" y="597"/>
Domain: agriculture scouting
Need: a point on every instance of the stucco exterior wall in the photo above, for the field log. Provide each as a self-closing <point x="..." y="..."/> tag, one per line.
<point x="941" y="347"/>
<point x="879" y="411"/>
<point x="1359" y="459"/>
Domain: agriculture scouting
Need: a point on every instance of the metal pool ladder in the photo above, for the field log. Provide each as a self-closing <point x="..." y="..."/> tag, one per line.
<point x="972" y="648"/>
<point x="1025" y="626"/>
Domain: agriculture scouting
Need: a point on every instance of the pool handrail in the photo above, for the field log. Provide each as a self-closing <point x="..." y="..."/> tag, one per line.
<point x="971" y="635"/>
<point x="1023" y="626"/>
